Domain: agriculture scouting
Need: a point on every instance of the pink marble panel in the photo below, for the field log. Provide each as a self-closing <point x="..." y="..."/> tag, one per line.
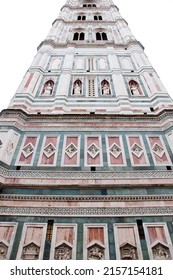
<point x="29" y="80"/>
<point x="137" y="158"/>
<point x="95" y="159"/>
<point x="6" y="233"/>
<point x="65" y="234"/>
<point x="161" y="158"/>
<point x="157" y="233"/>
<point x="118" y="160"/>
<point x="27" y="159"/>
<point x="33" y="234"/>
<point x="73" y="159"/>
<point x="50" y="159"/>
<point x="95" y="234"/>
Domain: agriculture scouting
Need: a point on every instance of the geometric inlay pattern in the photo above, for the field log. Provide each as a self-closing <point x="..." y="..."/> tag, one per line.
<point x="115" y="150"/>
<point x="94" y="211"/>
<point x="158" y="150"/>
<point x="137" y="150"/>
<point x="93" y="150"/>
<point x="28" y="150"/>
<point x="71" y="150"/>
<point x="49" y="150"/>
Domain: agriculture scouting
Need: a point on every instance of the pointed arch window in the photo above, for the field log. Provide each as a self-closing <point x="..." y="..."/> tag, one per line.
<point x="98" y="17"/>
<point x="79" y="18"/>
<point x="95" y="18"/>
<point x="83" y="17"/>
<point x="76" y="36"/>
<point x="79" y="36"/>
<point x="48" y="88"/>
<point x="135" y="88"/>
<point x="101" y="36"/>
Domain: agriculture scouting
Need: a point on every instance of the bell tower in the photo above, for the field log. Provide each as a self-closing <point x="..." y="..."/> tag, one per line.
<point x="86" y="146"/>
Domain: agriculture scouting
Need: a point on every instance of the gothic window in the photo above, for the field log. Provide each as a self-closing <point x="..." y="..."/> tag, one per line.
<point x="48" y="88"/>
<point x="82" y="36"/>
<point x="81" y="17"/>
<point x="101" y="36"/>
<point x="97" y="17"/>
<point x="79" y="36"/>
<point x="77" y="87"/>
<point x="91" y="87"/>
<point x="89" y="6"/>
<point x="98" y="36"/>
<point x="105" y="87"/>
<point x="76" y="36"/>
<point x="135" y="88"/>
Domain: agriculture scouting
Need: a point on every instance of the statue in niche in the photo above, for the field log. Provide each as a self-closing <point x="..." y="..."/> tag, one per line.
<point x="3" y="251"/>
<point x="134" y="88"/>
<point x="30" y="252"/>
<point x="77" y="87"/>
<point x="96" y="252"/>
<point x="63" y="252"/>
<point x="105" y="88"/>
<point x="161" y="252"/>
<point x="48" y="88"/>
<point x="128" y="252"/>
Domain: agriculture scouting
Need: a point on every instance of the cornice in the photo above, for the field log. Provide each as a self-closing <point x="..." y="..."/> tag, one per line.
<point x="19" y="113"/>
<point x="85" y="198"/>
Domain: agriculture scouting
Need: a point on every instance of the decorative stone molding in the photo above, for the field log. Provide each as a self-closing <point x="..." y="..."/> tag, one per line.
<point x="91" y="198"/>
<point x="85" y="175"/>
<point x="87" y="212"/>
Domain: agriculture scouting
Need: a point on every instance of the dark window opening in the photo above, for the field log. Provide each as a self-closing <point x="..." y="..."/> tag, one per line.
<point x="83" y="17"/>
<point x="76" y="36"/>
<point x="98" y="36"/>
<point x="104" y="36"/>
<point x="93" y="168"/>
<point x="84" y="5"/>
<point x="49" y="230"/>
<point x="100" y="17"/>
<point x="18" y="167"/>
<point x="140" y="229"/>
<point x="152" y="109"/>
<point x="82" y="36"/>
<point x="168" y="168"/>
<point x="79" y="18"/>
<point x="95" y="18"/>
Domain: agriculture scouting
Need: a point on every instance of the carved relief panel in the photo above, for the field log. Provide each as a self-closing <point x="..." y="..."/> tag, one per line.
<point x="158" y="241"/>
<point x="137" y="150"/>
<point x="55" y="63"/>
<point x="159" y="151"/>
<point x="8" y="144"/>
<point x="71" y="151"/>
<point x="79" y="62"/>
<point x="96" y="242"/>
<point x="49" y="151"/>
<point x="93" y="151"/>
<point x="7" y="235"/>
<point x="32" y="242"/>
<point x="64" y="242"/>
<point x="28" y="150"/>
<point x="115" y="151"/>
<point x="127" y="242"/>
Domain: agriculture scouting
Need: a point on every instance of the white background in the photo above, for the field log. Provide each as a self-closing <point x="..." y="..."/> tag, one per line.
<point x="24" y="24"/>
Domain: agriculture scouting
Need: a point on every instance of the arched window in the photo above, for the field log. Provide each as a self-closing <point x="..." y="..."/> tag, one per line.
<point x="135" y="88"/>
<point x="48" y="88"/>
<point x="95" y="18"/>
<point x="82" y="36"/>
<point x="83" y="17"/>
<point x="98" y="36"/>
<point x="84" y="5"/>
<point x="94" y="5"/>
<point x="105" y="87"/>
<point x="79" y="18"/>
<point x="100" y="17"/>
<point x="76" y="36"/>
<point x="89" y="6"/>
<point x="104" y="36"/>
<point x="77" y="87"/>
